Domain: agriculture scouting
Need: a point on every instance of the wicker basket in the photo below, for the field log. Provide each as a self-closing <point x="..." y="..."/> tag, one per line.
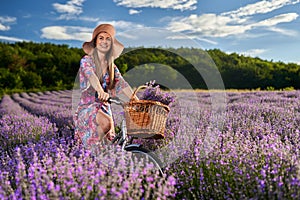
<point x="145" y="118"/>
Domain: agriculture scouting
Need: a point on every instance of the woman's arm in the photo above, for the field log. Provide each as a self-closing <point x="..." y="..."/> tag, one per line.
<point x="129" y="92"/>
<point x="121" y="86"/>
<point x="95" y="83"/>
<point x="90" y="78"/>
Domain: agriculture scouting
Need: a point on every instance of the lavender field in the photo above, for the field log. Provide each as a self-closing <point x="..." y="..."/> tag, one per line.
<point x="255" y="155"/>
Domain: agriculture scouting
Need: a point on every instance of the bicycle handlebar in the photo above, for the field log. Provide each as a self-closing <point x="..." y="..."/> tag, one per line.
<point x="114" y="100"/>
<point x="110" y="100"/>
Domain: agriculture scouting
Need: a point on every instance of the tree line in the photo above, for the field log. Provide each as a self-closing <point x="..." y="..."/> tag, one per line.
<point x="29" y="66"/>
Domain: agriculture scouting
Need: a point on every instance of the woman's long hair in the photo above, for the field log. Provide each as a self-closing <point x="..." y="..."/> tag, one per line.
<point x="110" y="59"/>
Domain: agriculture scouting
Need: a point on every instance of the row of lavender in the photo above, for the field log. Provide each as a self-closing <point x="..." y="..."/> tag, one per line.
<point x="254" y="155"/>
<point x="39" y="158"/>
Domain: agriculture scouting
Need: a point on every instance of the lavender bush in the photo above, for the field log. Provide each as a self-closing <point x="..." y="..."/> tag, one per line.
<point x="78" y="175"/>
<point x="20" y="127"/>
<point x="57" y="167"/>
<point x="255" y="155"/>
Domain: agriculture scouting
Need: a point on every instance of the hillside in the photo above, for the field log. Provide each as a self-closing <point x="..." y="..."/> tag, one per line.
<point x="28" y="66"/>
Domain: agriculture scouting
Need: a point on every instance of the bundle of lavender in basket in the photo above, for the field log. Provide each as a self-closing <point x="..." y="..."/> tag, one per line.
<point x="153" y="92"/>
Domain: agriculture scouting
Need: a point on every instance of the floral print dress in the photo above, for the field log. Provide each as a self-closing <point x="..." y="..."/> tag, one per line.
<point x="85" y="115"/>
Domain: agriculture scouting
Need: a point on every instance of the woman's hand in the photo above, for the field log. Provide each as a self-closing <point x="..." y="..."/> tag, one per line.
<point x="103" y="96"/>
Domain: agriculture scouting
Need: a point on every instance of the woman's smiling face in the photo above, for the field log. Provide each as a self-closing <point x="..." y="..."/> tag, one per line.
<point x="103" y="42"/>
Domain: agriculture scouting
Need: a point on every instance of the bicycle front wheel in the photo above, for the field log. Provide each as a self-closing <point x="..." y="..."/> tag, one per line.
<point x="147" y="156"/>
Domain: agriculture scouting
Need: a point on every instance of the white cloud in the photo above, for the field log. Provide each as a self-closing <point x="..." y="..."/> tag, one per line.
<point x="128" y="36"/>
<point x="253" y="52"/>
<point x="235" y="23"/>
<point x="128" y="33"/>
<point x="185" y="37"/>
<point x="208" y="25"/>
<point x="288" y="17"/>
<point x="5" y="21"/>
<point x="133" y="12"/>
<point x="12" y="39"/>
<point x="4" y="28"/>
<point x="259" y="7"/>
<point x="67" y="33"/>
<point x="123" y="25"/>
<point x="27" y="16"/>
<point x="287" y="32"/>
<point x="89" y="19"/>
<point x="83" y="33"/>
<point x="173" y="4"/>
<point x="69" y="10"/>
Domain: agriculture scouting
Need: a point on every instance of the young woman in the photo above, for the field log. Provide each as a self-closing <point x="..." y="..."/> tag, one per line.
<point x="93" y="118"/>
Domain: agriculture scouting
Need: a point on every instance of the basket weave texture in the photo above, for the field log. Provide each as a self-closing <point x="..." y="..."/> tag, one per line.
<point x="146" y="118"/>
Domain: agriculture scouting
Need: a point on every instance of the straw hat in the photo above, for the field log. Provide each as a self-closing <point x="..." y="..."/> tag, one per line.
<point x="117" y="47"/>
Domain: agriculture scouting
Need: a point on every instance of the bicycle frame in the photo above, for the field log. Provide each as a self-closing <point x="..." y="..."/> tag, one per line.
<point x="122" y="137"/>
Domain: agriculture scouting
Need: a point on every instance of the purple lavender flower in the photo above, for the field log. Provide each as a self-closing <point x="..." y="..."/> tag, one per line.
<point x="256" y="154"/>
<point x="154" y="93"/>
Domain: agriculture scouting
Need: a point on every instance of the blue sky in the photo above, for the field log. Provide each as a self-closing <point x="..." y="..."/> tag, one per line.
<point x="266" y="29"/>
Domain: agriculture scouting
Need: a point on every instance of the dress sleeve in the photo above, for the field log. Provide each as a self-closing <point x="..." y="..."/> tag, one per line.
<point x="86" y="70"/>
<point x="120" y="83"/>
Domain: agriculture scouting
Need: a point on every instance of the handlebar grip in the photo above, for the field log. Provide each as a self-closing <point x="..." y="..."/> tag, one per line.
<point x="115" y="100"/>
<point x="110" y="100"/>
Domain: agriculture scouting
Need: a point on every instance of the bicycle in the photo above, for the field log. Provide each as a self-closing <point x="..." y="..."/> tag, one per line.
<point x="126" y="141"/>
